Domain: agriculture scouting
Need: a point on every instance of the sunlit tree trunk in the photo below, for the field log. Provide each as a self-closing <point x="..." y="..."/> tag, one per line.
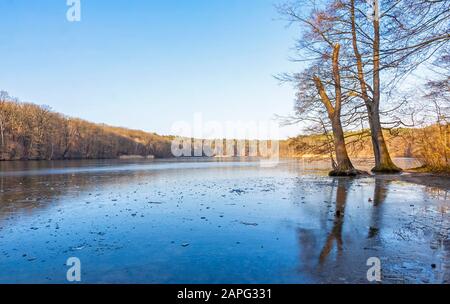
<point x="344" y="166"/>
<point x="343" y="162"/>
<point x="383" y="161"/>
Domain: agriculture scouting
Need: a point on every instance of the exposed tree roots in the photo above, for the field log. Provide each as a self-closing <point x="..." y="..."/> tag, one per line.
<point x="387" y="169"/>
<point x="349" y="173"/>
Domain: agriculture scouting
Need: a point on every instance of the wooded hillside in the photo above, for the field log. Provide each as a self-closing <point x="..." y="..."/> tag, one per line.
<point x="33" y="132"/>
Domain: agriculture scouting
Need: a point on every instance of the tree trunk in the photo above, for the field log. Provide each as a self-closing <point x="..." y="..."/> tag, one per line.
<point x="344" y="166"/>
<point x="383" y="161"/>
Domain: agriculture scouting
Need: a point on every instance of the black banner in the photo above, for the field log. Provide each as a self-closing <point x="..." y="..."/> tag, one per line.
<point x="180" y="294"/>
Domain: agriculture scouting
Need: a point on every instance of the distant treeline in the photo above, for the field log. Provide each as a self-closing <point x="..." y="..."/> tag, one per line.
<point x="33" y="132"/>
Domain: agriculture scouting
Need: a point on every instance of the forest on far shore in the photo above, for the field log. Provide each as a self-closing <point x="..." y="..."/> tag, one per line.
<point x="33" y="132"/>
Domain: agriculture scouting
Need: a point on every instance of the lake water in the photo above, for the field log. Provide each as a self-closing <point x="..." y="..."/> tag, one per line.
<point x="216" y="222"/>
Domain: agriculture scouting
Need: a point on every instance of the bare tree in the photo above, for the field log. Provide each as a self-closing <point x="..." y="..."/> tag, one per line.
<point x="383" y="161"/>
<point x="394" y="39"/>
<point x="324" y="88"/>
<point x="382" y="42"/>
<point x="344" y="165"/>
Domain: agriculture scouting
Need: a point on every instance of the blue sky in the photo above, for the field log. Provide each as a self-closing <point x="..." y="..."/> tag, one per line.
<point x="147" y="64"/>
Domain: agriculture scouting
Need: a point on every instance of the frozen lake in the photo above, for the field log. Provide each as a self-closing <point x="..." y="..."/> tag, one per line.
<point x="216" y="222"/>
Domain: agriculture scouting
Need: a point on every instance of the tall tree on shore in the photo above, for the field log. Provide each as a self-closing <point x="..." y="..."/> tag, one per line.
<point x="393" y="37"/>
<point x="383" y="161"/>
<point x="383" y="42"/>
<point x="324" y="88"/>
<point x="344" y="165"/>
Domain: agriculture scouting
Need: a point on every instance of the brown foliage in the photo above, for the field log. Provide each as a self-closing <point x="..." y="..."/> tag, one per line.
<point x="33" y="132"/>
<point x="430" y="145"/>
<point x="434" y="147"/>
